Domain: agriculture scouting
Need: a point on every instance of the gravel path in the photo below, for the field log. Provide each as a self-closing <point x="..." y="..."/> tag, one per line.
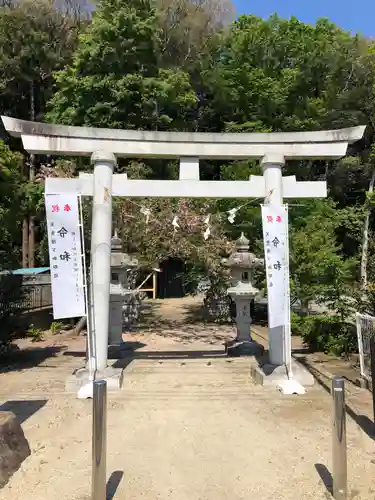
<point x="182" y="428"/>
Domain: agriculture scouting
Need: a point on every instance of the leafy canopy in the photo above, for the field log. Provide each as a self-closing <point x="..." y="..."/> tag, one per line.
<point x="115" y="79"/>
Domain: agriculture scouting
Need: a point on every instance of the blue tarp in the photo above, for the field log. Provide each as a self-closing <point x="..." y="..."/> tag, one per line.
<point x="31" y="270"/>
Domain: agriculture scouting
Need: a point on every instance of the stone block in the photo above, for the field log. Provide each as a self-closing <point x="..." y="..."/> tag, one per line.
<point x="364" y="383"/>
<point x="246" y="348"/>
<point x="14" y="447"/>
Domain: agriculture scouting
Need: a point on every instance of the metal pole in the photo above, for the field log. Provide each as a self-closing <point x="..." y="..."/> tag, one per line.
<point x="372" y="351"/>
<point x="99" y="440"/>
<point x="339" y="458"/>
<point x="288" y="325"/>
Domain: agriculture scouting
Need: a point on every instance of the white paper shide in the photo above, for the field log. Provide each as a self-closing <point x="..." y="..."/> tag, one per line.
<point x="65" y="253"/>
<point x="275" y="234"/>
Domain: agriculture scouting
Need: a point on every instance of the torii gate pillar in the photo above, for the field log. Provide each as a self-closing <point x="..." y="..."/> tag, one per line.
<point x="272" y="173"/>
<point x="101" y="235"/>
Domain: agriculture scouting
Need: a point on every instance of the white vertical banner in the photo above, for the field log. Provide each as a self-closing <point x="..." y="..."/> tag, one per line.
<point x="276" y="249"/>
<point x="65" y="255"/>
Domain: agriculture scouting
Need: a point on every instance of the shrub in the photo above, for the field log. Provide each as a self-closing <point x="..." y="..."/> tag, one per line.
<point x="297" y="324"/>
<point x="131" y="309"/>
<point x="366" y="301"/>
<point x="56" y="327"/>
<point x="218" y="304"/>
<point x="35" y="334"/>
<point x="326" y="333"/>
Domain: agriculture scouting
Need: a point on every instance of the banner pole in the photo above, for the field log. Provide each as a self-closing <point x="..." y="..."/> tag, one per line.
<point x="288" y="332"/>
<point x="87" y="288"/>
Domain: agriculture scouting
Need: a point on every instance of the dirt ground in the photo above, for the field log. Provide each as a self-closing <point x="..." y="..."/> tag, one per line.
<point x="188" y="424"/>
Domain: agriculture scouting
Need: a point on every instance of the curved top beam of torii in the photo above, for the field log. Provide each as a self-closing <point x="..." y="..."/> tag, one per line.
<point x="45" y="138"/>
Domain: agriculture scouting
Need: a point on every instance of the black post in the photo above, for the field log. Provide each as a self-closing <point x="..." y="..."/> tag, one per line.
<point x="99" y="440"/>
<point x="339" y="453"/>
<point x="372" y="350"/>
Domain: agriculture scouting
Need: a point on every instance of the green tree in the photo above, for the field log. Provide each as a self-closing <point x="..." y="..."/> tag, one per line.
<point x="115" y="79"/>
<point x="43" y="38"/>
<point x="155" y="238"/>
<point x="10" y="206"/>
<point x="283" y="75"/>
<point x="318" y="270"/>
<point x="187" y="28"/>
<point x="37" y="37"/>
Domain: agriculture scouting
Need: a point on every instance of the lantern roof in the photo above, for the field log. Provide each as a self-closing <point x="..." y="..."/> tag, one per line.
<point x="116" y="245"/>
<point x="242" y="257"/>
<point x="242" y="243"/>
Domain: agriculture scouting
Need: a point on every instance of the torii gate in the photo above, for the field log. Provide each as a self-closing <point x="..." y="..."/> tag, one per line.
<point x="103" y="145"/>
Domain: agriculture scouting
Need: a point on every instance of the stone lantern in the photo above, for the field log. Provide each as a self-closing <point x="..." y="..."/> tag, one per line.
<point x="120" y="292"/>
<point x="242" y="264"/>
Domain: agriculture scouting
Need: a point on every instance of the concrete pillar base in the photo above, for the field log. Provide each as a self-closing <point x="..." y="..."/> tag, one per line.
<point x="244" y="348"/>
<point x="113" y="377"/>
<point x="271" y="375"/>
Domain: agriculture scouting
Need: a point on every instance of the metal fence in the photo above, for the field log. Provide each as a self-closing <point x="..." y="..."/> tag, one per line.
<point x="365" y="331"/>
<point x="19" y="296"/>
<point x="36" y="296"/>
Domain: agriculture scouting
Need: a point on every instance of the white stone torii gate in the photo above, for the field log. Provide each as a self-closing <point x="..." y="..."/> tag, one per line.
<point x="103" y="145"/>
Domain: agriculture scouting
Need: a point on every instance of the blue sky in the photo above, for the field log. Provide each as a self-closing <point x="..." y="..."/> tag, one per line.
<point x="355" y="16"/>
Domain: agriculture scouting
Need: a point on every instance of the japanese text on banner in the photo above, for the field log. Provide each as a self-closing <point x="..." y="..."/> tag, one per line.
<point x="275" y="227"/>
<point x="65" y="255"/>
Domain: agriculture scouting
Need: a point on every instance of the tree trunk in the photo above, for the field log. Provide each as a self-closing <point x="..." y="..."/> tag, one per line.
<point x="25" y="228"/>
<point x="32" y="241"/>
<point x="25" y="243"/>
<point x="366" y="225"/>
<point x="32" y="218"/>
<point x="80" y="325"/>
<point x="305" y="307"/>
<point x="77" y="328"/>
<point x="31" y="179"/>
